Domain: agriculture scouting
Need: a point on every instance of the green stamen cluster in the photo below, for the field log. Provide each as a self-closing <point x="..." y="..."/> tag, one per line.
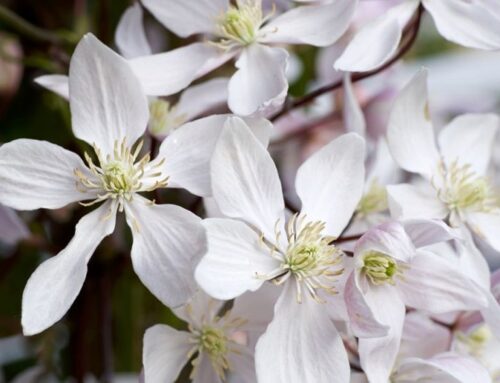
<point x="380" y="268"/>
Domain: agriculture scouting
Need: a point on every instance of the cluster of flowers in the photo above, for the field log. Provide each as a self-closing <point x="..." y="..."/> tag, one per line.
<point x="270" y="294"/>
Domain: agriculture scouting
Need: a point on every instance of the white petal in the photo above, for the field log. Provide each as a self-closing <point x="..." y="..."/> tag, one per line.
<point x="38" y="174"/>
<point x="234" y="261"/>
<point x="424" y="232"/>
<point x="377" y="41"/>
<point x="55" y="284"/>
<point x="491" y="314"/>
<point x="245" y="181"/>
<point x="188" y="150"/>
<point x="389" y="238"/>
<point x="362" y="320"/>
<point x="57" y="83"/>
<point x="199" y="309"/>
<point x="242" y="366"/>
<point x="301" y="345"/>
<point x="486" y="226"/>
<point x="12" y="228"/>
<point x="205" y="372"/>
<point x="410" y="134"/>
<point x="257" y="307"/>
<point x="354" y="119"/>
<point x="407" y="202"/>
<point x="434" y="284"/>
<point x="186" y="18"/>
<point x="168" y="244"/>
<point x="470" y="24"/>
<point x="130" y="36"/>
<point x="106" y="99"/>
<point x="203" y="97"/>
<point x="259" y="85"/>
<point x="377" y="355"/>
<point x="319" y="25"/>
<point x="469" y="140"/>
<point x="422" y="337"/>
<point x="165" y="352"/>
<point x="443" y="368"/>
<point x="167" y="73"/>
<point x="330" y="183"/>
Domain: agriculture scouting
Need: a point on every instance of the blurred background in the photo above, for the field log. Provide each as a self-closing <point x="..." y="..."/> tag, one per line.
<point x="100" y="339"/>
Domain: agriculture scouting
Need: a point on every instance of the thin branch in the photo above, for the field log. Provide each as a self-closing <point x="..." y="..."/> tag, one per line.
<point x="25" y="28"/>
<point x="410" y="37"/>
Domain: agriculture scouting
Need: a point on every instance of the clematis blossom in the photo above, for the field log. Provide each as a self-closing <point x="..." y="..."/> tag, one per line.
<point x="473" y="24"/>
<point x="392" y="271"/>
<point x="254" y="245"/>
<point x="455" y="185"/>
<point x="220" y="343"/>
<point x="244" y="31"/>
<point x="110" y="112"/>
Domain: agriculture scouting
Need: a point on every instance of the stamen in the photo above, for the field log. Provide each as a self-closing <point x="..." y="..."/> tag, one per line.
<point x="381" y="268"/>
<point x="373" y="201"/>
<point x="119" y="176"/>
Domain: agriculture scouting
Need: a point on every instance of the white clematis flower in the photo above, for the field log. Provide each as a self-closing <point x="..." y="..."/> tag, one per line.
<point x="456" y="187"/>
<point x="110" y="112"/>
<point x="256" y="246"/>
<point x="244" y="31"/>
<point x="391" y="272"/>
<point x="221" y="342"/>
<point x="474" y="24"/>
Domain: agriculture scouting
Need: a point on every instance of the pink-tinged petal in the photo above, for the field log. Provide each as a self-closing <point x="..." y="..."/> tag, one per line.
<point x="378" y="355"/>
<point x="245" y="181"/>
<point x="164" y="354"/>
<point x="436" y="285"/>
<point x="442" y="368"/>
<point x="486" y="226"/>
<point x="422" y="337"/>
<point x="389" y="238"/>
<point x="167" y="73"/>
<point x="469" y="140"/>
<point x="55" y="284"/>
<point x="361" y="318"/>
<point x="59" y="84"/>
<point x="130" y="36"/>
<point x="471" y="24"/>
<point x="236" y="260"/>
<point x="491" y="314"/>
<point x="12" y="228"/>
<point x="201" y="98"/>
<point x="377" y="41"/>
<point x="354" y="119"/>
<point x="301" y="344"/>
<point x="38" y="174"/>
<point x="186" y="18"/>
<point x="242" y="366"/>
<point x="205" y="372"/>
<point x="259" y="85"/>
<point x="412" y="202"/>
<point x="410" y="133"/>
<point x="188" y="150"/>
<point x="426" y="232"/>
<point x="107" y="101"/>
<point x="168" y="244"/>
<point x="319" y="25"/>
<point x="330" y="183"/>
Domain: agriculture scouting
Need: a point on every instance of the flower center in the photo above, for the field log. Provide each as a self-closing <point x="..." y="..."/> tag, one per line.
<point x="380" y="268"/>
<point x="374" y="201"/>
<point x="214" y="338"/>
<point x="240" y="25"/>
<point x="464" y="189"/>
<point x="120" y="175"/>
<point x="309" y="258"/>
<point x="163" y="117"/>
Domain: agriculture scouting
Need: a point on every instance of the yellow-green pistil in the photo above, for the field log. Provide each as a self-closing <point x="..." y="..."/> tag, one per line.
<point x="380" y="268"/>
<point x="373" y="201"/>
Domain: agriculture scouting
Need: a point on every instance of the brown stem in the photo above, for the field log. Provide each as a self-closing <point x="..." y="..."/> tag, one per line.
<point x="411" y="33"/>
